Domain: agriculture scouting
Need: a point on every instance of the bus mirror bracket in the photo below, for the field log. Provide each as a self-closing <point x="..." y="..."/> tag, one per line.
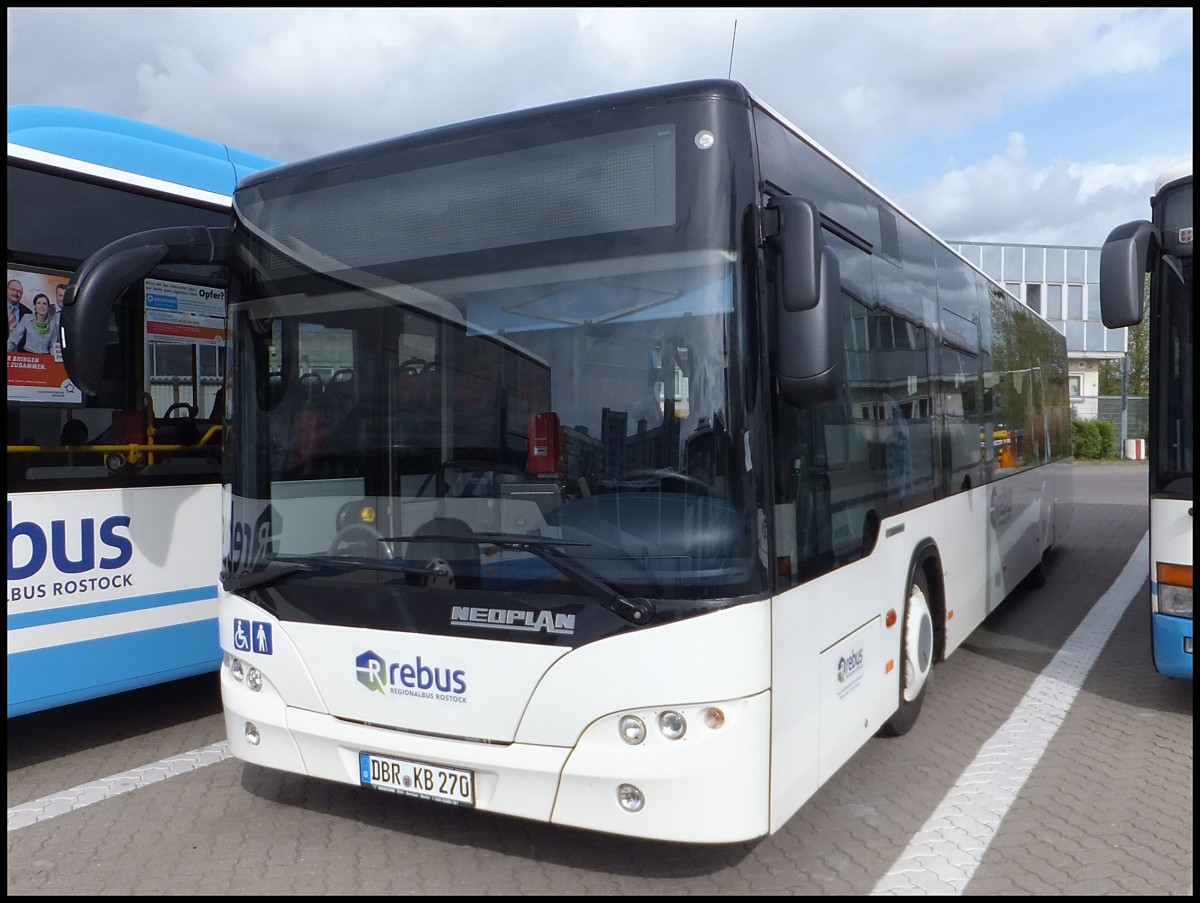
<point x="1124" y="260"/>
<point x="108" y="274"/>
<point x="808" y="314"/>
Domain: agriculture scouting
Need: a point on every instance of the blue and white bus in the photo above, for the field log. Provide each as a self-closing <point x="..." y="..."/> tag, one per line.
<point x="649" y="482"/>
<point x="114" y="507"/>
<point x="1164" y="248"/>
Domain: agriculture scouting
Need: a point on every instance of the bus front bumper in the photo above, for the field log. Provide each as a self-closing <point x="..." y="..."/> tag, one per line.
<point x="708" y="786"/>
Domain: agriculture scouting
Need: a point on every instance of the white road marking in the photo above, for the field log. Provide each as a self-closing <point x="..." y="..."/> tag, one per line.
<point x="96" y="791"/>
<point x="943" y="856"/>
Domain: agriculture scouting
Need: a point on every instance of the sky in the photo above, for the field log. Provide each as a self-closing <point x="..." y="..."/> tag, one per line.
<point x="1031" y="126"/>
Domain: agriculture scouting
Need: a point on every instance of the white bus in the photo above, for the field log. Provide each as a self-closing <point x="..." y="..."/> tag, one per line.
<point x="654" y="481"/>
<point x="114" y="499"/>
<point x="1164" y="248"/>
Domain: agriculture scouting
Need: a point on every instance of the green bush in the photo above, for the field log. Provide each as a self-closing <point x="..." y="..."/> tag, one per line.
<point x="1092" y="440"/>
<point x="1085" y="439"/>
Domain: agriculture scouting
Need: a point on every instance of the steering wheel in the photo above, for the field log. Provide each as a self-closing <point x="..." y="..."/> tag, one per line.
<point x="189" y="408"/>
<point x="440" y="576"/>
<point x="358" y="538"/>
<point x="449" y="564"/>
<point x="414" y="366"/>
<point x="687" y="479"/>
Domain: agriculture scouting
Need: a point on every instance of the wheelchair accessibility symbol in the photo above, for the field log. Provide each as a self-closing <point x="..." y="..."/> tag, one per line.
<point x="252" y="636"/>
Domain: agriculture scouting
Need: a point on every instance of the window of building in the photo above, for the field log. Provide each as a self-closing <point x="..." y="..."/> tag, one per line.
<point x="1076" y="265"/>
<point x="1075" y="338"/>
<point x="1054" y="305"/>
<point x="1033" y="296"/>
<point x="1055" y="265"/>
<point x="971" y="252"/>
<point x="1118" y="340"/>
<point x="991" y="260"/>
<point x="1093" y="302"/>
<point x="1074" y="302"/>
<point x="1075" y="383"/>
<point x="1013" y="269"/>
<point x="1035" y="264"/>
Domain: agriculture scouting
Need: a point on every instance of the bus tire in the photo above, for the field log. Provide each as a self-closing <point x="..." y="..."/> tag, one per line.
<point x="916" y="656"/>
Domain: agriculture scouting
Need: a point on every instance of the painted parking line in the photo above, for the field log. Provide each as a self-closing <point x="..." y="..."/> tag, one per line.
<point x="942" y="857"/>
<point x="96" y="791"/>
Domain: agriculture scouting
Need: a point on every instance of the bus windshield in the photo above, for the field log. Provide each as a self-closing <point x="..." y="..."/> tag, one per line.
<point x="436" y="415"/>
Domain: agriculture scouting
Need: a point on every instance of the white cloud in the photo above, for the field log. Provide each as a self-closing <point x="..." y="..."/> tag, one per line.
<point x="1006" y="198"/>
<point x="898" y="91"/>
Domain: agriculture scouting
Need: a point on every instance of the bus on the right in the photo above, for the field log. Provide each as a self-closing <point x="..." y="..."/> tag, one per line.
<point x="1163" y="248"/>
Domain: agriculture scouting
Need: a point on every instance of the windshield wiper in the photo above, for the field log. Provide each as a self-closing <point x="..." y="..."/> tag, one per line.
<point x="635" y="610"/>
<point x="314" y="564"/>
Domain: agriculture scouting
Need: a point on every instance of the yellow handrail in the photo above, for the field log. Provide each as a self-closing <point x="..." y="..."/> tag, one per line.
<point x="134" y="448"/>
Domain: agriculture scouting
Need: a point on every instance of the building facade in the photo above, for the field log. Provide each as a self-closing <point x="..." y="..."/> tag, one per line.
<point x="1062" y="283"/>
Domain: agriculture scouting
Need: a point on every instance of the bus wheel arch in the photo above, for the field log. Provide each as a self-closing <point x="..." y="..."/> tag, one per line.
<point x="922" y="642"/>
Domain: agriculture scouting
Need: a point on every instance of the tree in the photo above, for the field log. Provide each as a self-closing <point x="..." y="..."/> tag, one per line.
<point x="1137" y="351"/>
<point x="1110" y="377"/>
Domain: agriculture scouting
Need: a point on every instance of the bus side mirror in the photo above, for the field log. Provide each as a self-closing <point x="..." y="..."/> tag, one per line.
<point x="1124" y="260"/>
<point x="108" y="274"/>
<point x="89" y="299"/>
<point x="808" y="312"/>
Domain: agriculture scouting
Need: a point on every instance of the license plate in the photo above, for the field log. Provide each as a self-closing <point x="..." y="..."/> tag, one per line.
<point x="420" y="779"/>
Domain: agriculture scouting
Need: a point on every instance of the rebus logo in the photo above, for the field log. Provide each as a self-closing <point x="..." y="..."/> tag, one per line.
<point x="848" y="664"/>
<point x="409" y="678"/>
<point x="372" y="672"/>
<point x="28" y="545"/>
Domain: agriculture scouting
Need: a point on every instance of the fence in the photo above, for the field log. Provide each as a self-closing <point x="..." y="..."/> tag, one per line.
<point x="1108" y="407"/>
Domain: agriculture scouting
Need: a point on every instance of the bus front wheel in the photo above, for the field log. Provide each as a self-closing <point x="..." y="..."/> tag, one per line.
<point x="916" y="656"/>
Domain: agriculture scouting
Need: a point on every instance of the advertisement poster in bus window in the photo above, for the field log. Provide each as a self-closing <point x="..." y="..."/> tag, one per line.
<point x="35" y="369"/>
<point x="178" y="312"/>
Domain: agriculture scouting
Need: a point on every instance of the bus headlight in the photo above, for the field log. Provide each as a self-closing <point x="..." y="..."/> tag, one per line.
<point x="630" y="798"/>
<point x="672" y="724"/>
<point x="632" y="730"/>
<point x="1174" y="589"/>
<point x="1175" y="600"/>
<point x="243" y="673"/>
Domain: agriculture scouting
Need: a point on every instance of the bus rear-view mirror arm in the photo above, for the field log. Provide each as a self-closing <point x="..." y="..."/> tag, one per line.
<point x="1124" y="261"/>
<point x="808" y="315"/>
<point x="108" y="274"/>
